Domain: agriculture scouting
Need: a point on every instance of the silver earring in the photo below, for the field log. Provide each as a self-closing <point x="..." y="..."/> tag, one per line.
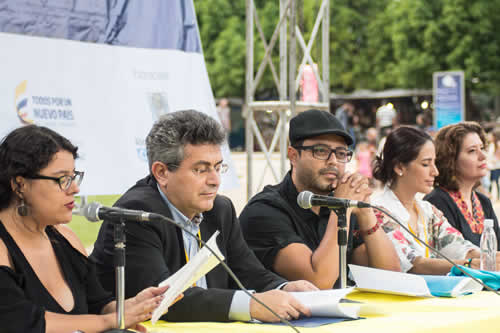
<point x="400" y="174"/>
<point x="23" y="210"/>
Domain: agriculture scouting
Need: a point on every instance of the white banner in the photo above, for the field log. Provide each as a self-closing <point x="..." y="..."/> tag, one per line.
<point x="103" y="98"/>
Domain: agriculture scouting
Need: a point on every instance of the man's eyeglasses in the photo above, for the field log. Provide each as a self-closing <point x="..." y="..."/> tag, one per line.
<point x="63" y="181"/>
<point x="203" y="170"/>
<point x="323" y="152"/>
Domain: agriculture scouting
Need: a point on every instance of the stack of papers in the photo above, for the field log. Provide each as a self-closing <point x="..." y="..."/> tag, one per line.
<point x="326" y="303"/>
<point x="389" y="282"/>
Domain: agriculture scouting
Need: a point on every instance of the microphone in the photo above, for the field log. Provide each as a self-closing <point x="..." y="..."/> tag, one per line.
<point x="95" y="212"/>
<point x="307" y="199"/>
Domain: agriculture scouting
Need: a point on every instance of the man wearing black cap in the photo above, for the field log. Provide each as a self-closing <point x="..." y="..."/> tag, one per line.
<point x="302" y="243"/>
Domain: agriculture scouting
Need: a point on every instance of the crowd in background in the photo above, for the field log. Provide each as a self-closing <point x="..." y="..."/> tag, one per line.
<point x="369" y="142"/>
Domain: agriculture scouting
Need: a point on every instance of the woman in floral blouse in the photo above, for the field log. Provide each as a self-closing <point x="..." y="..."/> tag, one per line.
<point x="407" y="167"/>
<point x="462" y="161"/>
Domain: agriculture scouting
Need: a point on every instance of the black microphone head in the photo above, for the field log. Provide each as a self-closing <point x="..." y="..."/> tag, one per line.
<point x="304" y="199"/>
<point x="91" y="211"/>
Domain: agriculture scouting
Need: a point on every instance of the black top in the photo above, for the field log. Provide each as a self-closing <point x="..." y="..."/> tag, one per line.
<point x="24" y="299"/>
<point x="272" y="220"/>
<point x="444" y="202"/>
<point x="155" y="250"/>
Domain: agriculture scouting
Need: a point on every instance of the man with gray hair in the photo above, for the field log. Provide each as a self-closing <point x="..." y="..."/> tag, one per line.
<point x="185" y="163"/>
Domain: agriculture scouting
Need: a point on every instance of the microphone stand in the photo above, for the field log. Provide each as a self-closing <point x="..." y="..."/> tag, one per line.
<point x="120" y="238"/>
<point x="342" y="241"/>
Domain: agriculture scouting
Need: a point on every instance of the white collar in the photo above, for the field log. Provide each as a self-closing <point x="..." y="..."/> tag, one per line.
<point x="390" y="201"/>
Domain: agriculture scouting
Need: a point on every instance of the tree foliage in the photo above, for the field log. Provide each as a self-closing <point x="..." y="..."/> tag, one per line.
<point x="373" y="44"/>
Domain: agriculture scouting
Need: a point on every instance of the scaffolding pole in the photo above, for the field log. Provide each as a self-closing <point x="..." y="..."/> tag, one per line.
<point x="287" y="84"/>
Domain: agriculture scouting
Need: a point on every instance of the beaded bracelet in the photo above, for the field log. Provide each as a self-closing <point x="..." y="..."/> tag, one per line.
<point x="371" y="230"/>
<point x="467" y="263"/>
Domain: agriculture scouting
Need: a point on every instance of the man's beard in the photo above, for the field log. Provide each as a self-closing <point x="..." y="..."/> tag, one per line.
<point x="311" y="180"/>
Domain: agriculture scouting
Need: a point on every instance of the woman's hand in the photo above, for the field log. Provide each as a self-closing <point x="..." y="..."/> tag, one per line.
<point x="476" y="261"/>
<point x="140" y="308"/>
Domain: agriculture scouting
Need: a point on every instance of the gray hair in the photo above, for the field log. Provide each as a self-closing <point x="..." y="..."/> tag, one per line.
<point x="172" y="132"/>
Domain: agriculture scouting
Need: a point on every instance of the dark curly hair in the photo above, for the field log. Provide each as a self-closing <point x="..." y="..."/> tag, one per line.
<point x="24" y="152"/>
<point x="449" y="141"/>
<point x="401" y="146"/>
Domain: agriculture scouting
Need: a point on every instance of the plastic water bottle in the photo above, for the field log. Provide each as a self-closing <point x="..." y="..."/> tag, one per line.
<point x="488" y="247"/>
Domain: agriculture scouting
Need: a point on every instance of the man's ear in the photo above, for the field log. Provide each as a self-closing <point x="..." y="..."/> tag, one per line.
<point x="293" y="155"/>
<point x="160" y="171"/>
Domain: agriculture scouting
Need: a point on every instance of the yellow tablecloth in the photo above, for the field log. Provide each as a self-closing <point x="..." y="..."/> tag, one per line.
<point x="478" y="313"/>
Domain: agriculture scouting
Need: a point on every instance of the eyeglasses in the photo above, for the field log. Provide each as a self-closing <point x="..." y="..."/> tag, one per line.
<point x="63" y="181"/>
<point x="204" y="169"/>
<point x="323" y="152"/>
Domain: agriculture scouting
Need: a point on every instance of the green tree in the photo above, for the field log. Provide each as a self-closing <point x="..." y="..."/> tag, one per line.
<point x="373" y="44"/>
<point x="223" y="39"/>
<point x="227" y="70"/>
<point x="350" y="65"/>
<point x="429" y="36"/>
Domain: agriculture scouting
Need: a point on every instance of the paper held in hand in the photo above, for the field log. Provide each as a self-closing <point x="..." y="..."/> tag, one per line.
<point x="326" y="303"/>
<point x="389" y="282"/>
<point x="202" y="263"/>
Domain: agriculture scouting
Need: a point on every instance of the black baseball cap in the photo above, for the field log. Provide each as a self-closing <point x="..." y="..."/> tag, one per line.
<point x="313" y="123"/>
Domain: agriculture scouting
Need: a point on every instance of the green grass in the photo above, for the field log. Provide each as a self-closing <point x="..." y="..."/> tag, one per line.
<point x="87" y="231"/>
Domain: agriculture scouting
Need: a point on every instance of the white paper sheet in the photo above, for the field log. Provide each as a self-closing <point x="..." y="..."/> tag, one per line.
<point x="389" y="282"/>
<point x="202" y="263"/>
<point x="326" y="303"/>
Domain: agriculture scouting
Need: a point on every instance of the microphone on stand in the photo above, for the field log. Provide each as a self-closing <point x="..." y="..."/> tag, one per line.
<point x="95" y="212"/>
<point x="307" y="199"/>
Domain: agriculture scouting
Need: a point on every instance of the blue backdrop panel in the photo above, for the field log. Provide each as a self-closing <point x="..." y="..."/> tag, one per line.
<point x="166" y="24"/>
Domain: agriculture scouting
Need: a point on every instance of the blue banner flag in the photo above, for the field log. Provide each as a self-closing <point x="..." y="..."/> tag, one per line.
<point x="163" y="24"/>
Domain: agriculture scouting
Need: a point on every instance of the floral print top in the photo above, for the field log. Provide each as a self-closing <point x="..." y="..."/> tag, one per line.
<point x="476" y="219"/>
<point x="433" y="228"/>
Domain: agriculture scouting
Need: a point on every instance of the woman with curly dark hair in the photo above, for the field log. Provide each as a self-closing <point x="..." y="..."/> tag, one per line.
<point x="406" y="167"/>
<point x="462" y="161"/>
<point x="47" y="283"/>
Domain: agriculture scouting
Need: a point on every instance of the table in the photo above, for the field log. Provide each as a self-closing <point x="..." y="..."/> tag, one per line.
<point x="478" y="313"/>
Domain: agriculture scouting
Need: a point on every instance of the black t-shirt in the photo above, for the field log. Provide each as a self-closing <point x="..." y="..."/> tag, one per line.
<point x="272" y="220"/>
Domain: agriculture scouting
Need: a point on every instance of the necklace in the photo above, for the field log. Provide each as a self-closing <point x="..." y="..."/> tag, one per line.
<point x="420" y="219"/>
<point x="474" y="220"/>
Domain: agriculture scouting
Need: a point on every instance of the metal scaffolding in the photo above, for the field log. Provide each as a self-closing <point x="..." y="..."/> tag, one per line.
<point x="287" y="83"/>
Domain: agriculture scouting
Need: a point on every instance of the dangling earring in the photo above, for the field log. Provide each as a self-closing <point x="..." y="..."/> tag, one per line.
<point x="23" y="210"/>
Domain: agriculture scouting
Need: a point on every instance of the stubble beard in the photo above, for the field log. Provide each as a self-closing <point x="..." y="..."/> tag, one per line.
<point x="311" y="181"/>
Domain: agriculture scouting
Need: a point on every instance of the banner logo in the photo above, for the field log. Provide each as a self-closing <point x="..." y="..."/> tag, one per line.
<point x="21" y="103"/>
<point x="42" y="109"/>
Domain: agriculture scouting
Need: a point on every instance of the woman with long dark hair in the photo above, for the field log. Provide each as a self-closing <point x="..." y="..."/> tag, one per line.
<point x="407" y="167"/>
